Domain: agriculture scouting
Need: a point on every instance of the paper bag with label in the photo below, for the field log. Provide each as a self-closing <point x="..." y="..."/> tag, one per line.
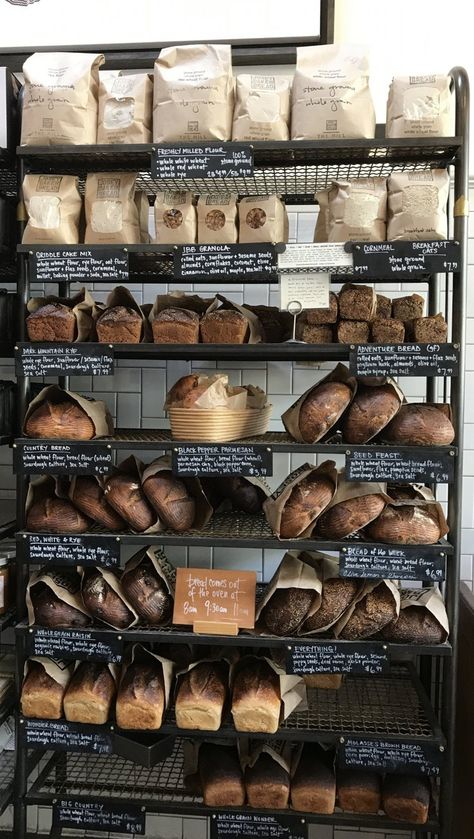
<point x="262" y="108"/>
<point x="293" y="591"/>
<point x="125" y="108"/>
<point x="422" y="619"/>
<point x="420" y="106"/>
<point x="175" y="218"/>
<point x="217" y="219"/>
<point x="148" y="582"/>
<point x="417" y="205"/>
<point x="262" y="219"/>
<point x="357" y="210"/>
<point x="53" y="205"/>
<point x="53" y="599"/>
<point x="293" y="508"/>
<point x="111" y="211"/>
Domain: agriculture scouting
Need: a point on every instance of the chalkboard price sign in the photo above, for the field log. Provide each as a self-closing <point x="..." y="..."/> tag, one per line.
<point x="47" y="548"/>
<point x="64" y="360"/>
<point x="241" y="263"/>
<point x="96" y="815"/>
<point x="209" y="160"/>
<point x="404" y="360"/>
<point x="79" y="265"/>
<point x="420" y="758"/>
<point x="405" y="259"/>
<point x="80" y="645"/>
<point x="253" y="826"/>
<point x="62" y="458"/>
<point x="66" y="736"/>
<point x="337" y="657"/>
<point x="400" y="467"/>
<point x="387" y="562"/>
<point x="211" y="461"/>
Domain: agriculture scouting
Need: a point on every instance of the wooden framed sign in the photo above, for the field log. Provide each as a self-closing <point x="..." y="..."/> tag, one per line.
<point x="213" y="601"/>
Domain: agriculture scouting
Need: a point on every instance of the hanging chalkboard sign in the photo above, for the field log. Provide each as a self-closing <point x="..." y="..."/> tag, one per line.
<point x="420" y="758"/>
<point x="62" y="458"/>
<point x="337" y="657"/>
<point x="242" y="263"/>
<point x="75" y="644"/>
<point x="386" y="562"/>
<point x="404" y="360"/>
<point x="85" y="265"/>
<point x="235" y="825"/>
<point x="64" y="360"/>
<point x="66" y="736"/>
<point x="227" y="459"/>
<point x="384" y="260"/>
<point x="98" y="815"/>
<point x="47" y="548"/>
<point x="202" y="160"/>
<point x="423" y="465"/>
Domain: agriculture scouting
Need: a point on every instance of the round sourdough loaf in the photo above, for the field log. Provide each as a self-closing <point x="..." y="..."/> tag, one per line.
<point x="420" y="425"/>
<point x="370" y="411"/>
<point x="405" y="524"/>
<point x="338" y="594"/>
<point x="147" y="593"/>
<point x="52" y="612"/>
<point x="370" y="614"/>
<point x="124" y="493"/>
<point x="322" y="408"/>
<point x="88" y="496"/>
<point x="169" y="496"/>
<point x="306" y="502"/>
<point x="59" y="420"/>
<point x="349" y="516"/>
<point x="103" y="602"/>
<point x="55" y="515"/>
<point x="414" y="625"/>
<point x="286" y="609"/>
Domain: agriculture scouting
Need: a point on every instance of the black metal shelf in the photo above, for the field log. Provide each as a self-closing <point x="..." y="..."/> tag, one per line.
<point x="163" y="789"/>
<point x="7" y="771"/>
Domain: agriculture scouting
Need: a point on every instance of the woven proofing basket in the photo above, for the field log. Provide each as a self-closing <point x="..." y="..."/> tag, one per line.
<point x="219" y="425"/>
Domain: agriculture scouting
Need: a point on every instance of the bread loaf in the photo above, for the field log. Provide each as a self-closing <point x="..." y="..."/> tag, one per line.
<point x="370" y="615"/>
<point x="338" y="594"/>
<point x="182" y="391"/>
<point x="324" y="681"/>
<point x="359" y="791"/>
<point x="405" y="524"/>
<point x="140" y="701"/>
<point x="322" y="408"/>
<point x="406" y="798"/>
<point x="408" y="308"/>
<point x="89" y="694"/>
<point x="59" y="420"/>
<point x="357" y="303"/>
<point x="124" y="493"/>
<point x="267" y="784"/>
<point x="119" y="325"/>
<point x="383" y="307"/>
<point x="271" y="322"/>
<point x="353" y="332"/>
<point x="224" y="326"/>
<point x="176" y="326"/>
<point x="55" y="515"/>
<point x="221" y="776"/>
<point x="88" y="496"/>
<point x="51" y="322"/>
<point x="306" y="502"/>
<point x="430" y="330"/>
<point x="349" y="516"/>
<point x="171" y="499"/>
<point x="420" y="425"/>
<point x="52" y="612"/>
<point x="241" y="493"/>
<point x="322" y="316"/>
<point x="322" y="334"/>
<point x="313" y="786"/>
<point x="147" y="593"/>
<point x="414" y="625"/>
<point x="369" y="412"/>
<point x="103" y="602"/>
<point x="286" y="609"/>
<point x="41" y="695"/>
<point x="256" y="698"/>
<point x="387" y="331"/>
<point x="201" y="696"/>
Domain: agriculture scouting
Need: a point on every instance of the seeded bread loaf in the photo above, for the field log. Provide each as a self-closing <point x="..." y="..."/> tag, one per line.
<point x="370" y="614"/>
<point x="51" y="322"/>
<point x="338" y="594"/>
<point x="387" y="331"/>
<point x="409" y="307"/>
<point x="414" y="625"/>
<point x="314" y="334"/>
<point x="307" y="501"/>
<point x="225" y="326"/>
<point x="430" y="330"/>
<point x="357" y="302"/>
<point x="286" y="609"/>
<point x="420" y="425"/>
<point x="119" y="325"/>
<point x="315" y="317"/>
<point x="353" y="332"/>
<point x="383" y="307"/>
<point x="176" y="326"/>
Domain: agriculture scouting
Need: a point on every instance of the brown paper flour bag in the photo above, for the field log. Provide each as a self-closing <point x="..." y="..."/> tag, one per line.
<point x="420" y="106"/>
<point x="417" y="205"/>
<point x="111" y="212"/>
<point x="53" y="204"/>
<point x="262" y="108"/>
<point x="331" y="98"/>
<point x="217" y="219"/>
<point x="60" y="98"/>
<point x="125" y="109"/>
<point x="193" y="93"/>
<point x="175" y="218"/>
<point x="321" y="231"/>
<point x="357" y="210"/>
<point x="143" y="209"/>
<point x="262" y="219"/>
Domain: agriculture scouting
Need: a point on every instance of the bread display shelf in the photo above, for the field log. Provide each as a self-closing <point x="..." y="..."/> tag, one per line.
<point x="7" y="771"/>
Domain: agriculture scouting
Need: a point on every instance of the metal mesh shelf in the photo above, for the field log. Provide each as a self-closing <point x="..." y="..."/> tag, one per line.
<point x="7" y="769"/>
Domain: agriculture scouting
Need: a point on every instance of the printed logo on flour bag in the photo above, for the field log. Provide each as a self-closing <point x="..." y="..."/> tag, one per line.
<point x="22" y="2"/>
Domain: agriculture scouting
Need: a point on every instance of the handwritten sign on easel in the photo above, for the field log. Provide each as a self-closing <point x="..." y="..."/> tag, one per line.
<point x="215" y="602"/>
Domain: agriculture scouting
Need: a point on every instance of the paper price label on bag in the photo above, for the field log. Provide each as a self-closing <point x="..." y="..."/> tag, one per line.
<point x="218" y="602"/>
<point x="235" y="825"/>
<point x="311" y="291"/>
<point x="97" y="815"/>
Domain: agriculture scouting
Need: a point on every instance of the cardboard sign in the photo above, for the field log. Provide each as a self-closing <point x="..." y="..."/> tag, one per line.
<point x="64" y="359"/>
<point x="83" y="265"/>
<point x="215" y="602"/>
<point x="202" y="160"/>
<point x="311" y="291"/>
<point x="99" y="815"/>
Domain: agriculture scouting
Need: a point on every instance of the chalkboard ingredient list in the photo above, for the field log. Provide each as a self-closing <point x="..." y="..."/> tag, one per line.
<point x="66" y="736"/>
<point x="421" y="758"/>
<point x="401" y="467"/>
<point x="337" y="657"/>
<point x="79" y="265"/>
<point x="404" y="360"/>
<point x="212" y="461"/>
<point x="233" y="262"/>
<point x="233" y="825"/>
<point x="62" y="458"/>
<point x="95" y="815"/>
<point x="64" y="359"/>
<point x="392" y="563"/>
<point x="73" y="550"/>
<point x="233" y="160"/>
<point x="80" y="645"/>
<point x="405" y="259"/>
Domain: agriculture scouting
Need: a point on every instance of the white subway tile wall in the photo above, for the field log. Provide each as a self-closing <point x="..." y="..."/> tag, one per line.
<point x="135" y="396"/>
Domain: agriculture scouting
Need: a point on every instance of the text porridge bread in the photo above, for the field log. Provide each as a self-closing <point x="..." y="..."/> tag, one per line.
<point x="176" y="326"/>
<point x="359" y="791"/>
<point x="369" y="412"/>
<point x="52" y="322"/>
<point x="267" y="783"/>
<point x="140" y="701"/>
<point x="307" y="501"/>
<point x="102" y="602"/>
<point x="338" y="593"/>
<point x="406" y="798"/>
<point x="59" y="420"/>
<point x="88" y="496"/>
<point x="256" y="697"/>
<point x="119" y="325"/>
<point x="125" y="494"/>
<point x="89" y="694"/>
<point x="313" y="785"/>
<point x="286" y="609"/>
<point x="171" y="499"/>
<point x="55" y="515"/>
<point x="220" y="776"/>
<point x="147" y="593"/>
<point x="201" y="695"/>
<point x="41" y="695"/>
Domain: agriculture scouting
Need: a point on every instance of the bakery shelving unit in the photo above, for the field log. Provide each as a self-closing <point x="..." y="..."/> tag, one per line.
<point x="413" y="702"/>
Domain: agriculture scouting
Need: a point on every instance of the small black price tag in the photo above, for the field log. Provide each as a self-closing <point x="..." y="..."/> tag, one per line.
<point x="253" y="826"/>
<point x="404" y="360"/>
<point x="97" y="815"/>
<point x="211" y="461"/>
<point x="64" y="360"/>
<point x="80" y="644"/>
<point x="46" y="548"/>
<point x="421" y="758"/>
<point x="66" y="736"/>
<point x="337" y="657"/>
<point x="384" y="260"/>
<point x="62" y="458"/>
<point x="242" y="263"/>
<point x="202" y="160"/>
<point x="400" y="467"/>
<point x="60" y="263"/>
<point x="409" y="562"/>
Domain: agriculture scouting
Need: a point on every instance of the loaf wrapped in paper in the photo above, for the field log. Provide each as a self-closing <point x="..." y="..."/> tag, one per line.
<point x="49" y="510"/>
<point x="413" y="517"/>
<point x="62" y="414"/>
<point x="144" y="690"/>
<point x="294" y="590"/>
<point x="316" y="413"/>
<point x="148" y="582"/>
<point x="338" y="594"/>
<point x="294" y="507"/>
<point x="44" y="685"/>
<point x="422" y="619"/>
<point x="376" y="605"/>
<point x="104" y="598"/>
<point x="53" y="599"/>
<point x="122" y="320"/>
<point x="263" y="695"/>
<point x="353" y="507"/>
<point x="180" y="503"/>
<point x="123" y="491"/>
<point x="61" y="319"/>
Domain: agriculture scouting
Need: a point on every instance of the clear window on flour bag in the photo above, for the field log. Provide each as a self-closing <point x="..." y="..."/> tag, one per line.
<point x="421" y="103"/>
<point x="106" y="216"/>
<point x="119" y="113"/>
<point x="45" y="211"/>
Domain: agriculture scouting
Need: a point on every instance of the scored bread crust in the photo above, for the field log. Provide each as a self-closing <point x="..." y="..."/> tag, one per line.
<point x="370" y="411"/>
<point x="56" y="515"/>
<point x="405" y="524"/>
<point x="256" y="698"/>
<point x="322" y="408"/>
<point x="60" y="420"/>
<point x="306" y="502"/>
<point x="171" y="500"/>
<point x="349" y="516"/>
<point x="89" y="694"/>
<point x="140" y="701"/>
<point x="201" y="696"/>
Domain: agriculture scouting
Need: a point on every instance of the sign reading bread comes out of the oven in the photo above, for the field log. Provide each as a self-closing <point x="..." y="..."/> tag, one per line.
<point x="215" y="602"/>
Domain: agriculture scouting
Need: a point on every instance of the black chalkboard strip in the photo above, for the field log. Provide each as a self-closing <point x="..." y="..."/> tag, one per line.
<point x="420" y="758"/>
<point x="64" y="359"/>
<point x="194" y="460"/>
<point x="99" y="815"/>
<point x="404" y="359"/>
<point x="85" y="265"/>
<point x="235" y="824"/>
<point x="397" y="260"/>
<point x="202" y="160"/>
<point x="245" y="262"/>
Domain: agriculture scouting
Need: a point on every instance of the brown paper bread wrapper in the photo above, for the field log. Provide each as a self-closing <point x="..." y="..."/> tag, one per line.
<point x="346" y="490"/>
<point x="143" y="209"/>
<point x="95" y="410"/>
<point x="125" y="108"/>
<point x="113" y="580"/>
<point x="357" y="210"/>
<point x="255" y="335"/>
<point x="295" y="574"/>
<point x="204" y="509"/>
<point x="328" y="569"/>
<point x="140" y="653"/>
<point x="363" y="384"/>
<point x="180" y="300"/>
<point x="291" y="417"/>
<point x="424" y="600"/>
<point x="111" y="212"/>
<point x="163" y="569"/>
<point x="273" y="506"/>
<point x="82" y="306"/>
<point x="221" y="503"/>
<point x="292" y="688"/>
<point x="416" y="497"/>
<point x="65" y="584"/>
<point x="133" y="468"/>
<point x="368" y="587"/>
<point x="262" y="219"/>
<point x="420" y="106"/>
<point x="54" y="518"/>
<point x="250" y="758"/>
<point x="223" y="664"/>
<point x="121" y="296"/>
<point x="321" y="231"/>
<point x="217" y="219"/>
